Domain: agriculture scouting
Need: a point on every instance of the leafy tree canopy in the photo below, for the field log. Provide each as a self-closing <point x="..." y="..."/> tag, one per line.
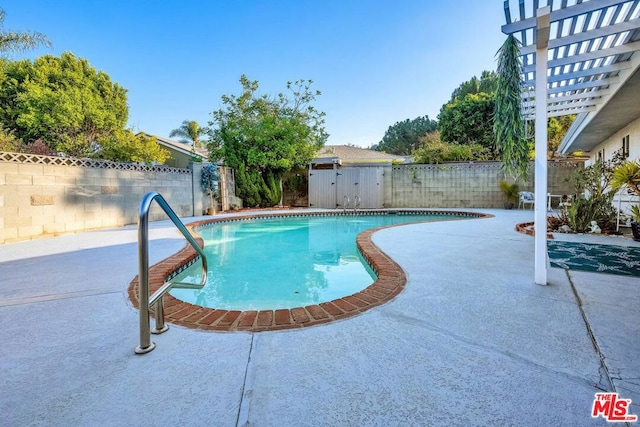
<point x="264" y="137"/>
<point x="557" y="128"/>
<point x="404" y="137"/>
<point x="125" y="146"/>
<point x="15" y="41"/>
<point x="469" y="120"/>
<point x="63" y="101"/>
<point x="190" y="133"/>
<point x="487" y="83"/>
<point x="433" y="150"/>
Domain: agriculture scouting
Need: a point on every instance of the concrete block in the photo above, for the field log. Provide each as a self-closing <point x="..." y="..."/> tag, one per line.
<point x="74" y="226"/>
<point x="14" y="179"/>
<point x="54" y="170"/>
<point x="83" y="215"/>
<point x="88" y="182"/>
<point x="29" y="169"/>
<point x="65" y="180"/>
<point x="94" y="172"/>
<point x="8" y="167"/>
<point x="108" y="174"/>
<point x="109" y="189"/>
<point x="73" y="171"/>
<point x="53" y="228"/>
<point x="29" y="231"/>
<point x="109" y="221"/>
<point x="49" y="211"/>
<point x="94" y="223"/>
<point x="92" y="207"/>
<point x="8" y="233"/>
<point x="83" y="191"/>
<point x="42" y="199"/>
<point x="64" y="218"/>
<point x="29" y="211"/>
<point x="44" y="180"/>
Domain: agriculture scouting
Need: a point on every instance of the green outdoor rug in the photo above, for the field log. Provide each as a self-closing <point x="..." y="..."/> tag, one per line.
<point x="608" y="259"/>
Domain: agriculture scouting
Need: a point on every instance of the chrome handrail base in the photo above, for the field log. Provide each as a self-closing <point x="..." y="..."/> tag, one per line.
<point x="160" y="331"/>
<point x="140" y="350"/>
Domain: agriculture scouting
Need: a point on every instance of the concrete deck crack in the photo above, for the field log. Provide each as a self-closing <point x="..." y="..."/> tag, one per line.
<point x="604" y="370"/>
<point x="247" y="390"/>
<point x="54" y="297"/>
<point x="491" y="349"/>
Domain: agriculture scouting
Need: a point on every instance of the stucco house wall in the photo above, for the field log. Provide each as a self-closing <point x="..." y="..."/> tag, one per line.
<point x="614" y="143"/>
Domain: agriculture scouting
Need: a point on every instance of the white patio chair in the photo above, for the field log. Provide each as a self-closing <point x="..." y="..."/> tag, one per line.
<point x="525" y="197"/>
<point x="565" y="201"/>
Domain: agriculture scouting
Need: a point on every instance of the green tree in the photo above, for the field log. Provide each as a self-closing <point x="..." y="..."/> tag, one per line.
<point x="125" y="146"/>
<point x="468" y="121"/>
<point x="404" y="137"/>
<point x="14" y="41"/>
<point x="433" y="150"/>
<point x="508" y="124"/>
<point x="264" y="137"/>
<point x="8" y="140"/>
<point x="487" y="83"/>
<point x="557" y="128"/>
<point x="63" y="101"/>
<point x="190" y="133"/>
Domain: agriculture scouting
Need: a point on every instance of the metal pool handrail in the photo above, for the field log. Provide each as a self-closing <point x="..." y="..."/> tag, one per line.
<point x="345" y="204"/>
<point x="356" y="203"/>
<point x="145" y="301"/>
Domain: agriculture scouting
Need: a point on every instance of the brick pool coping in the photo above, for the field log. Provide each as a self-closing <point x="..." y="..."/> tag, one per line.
<point x="391" y="281"/>
<point x="528" y="229"/>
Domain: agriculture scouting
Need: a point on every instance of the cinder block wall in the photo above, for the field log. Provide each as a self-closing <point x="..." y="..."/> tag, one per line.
<point x="463" y="185"/>
<point x="45" y="196"/>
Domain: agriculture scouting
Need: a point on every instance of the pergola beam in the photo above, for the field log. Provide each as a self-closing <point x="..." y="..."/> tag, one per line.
<point x="585" y="85"/>
<point x="560" y="14"/>
<point x="564" y="112"/>
<point x="589" y="56"/>
<point x="587" y="35"/>
<point x="587" y="72"/>
<point x="560" y="98"/>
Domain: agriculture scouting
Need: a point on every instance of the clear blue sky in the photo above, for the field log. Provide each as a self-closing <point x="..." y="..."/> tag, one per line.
<point x="376" y="61"/>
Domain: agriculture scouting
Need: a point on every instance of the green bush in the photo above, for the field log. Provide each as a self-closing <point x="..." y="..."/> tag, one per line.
<point x="583" y="210"/>
<point x="433" y="150"/>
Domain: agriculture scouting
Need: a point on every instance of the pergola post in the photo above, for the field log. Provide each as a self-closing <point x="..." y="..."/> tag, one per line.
<point x="543" y="24"/>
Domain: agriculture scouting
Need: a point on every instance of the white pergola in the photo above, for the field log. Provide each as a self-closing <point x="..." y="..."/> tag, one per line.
<point x="576" y="56"/>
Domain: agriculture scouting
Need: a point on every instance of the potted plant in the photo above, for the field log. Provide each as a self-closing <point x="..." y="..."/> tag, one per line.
<point x="209" y="184"/>
<point x="628" y="175"/>
<point x="510" y="192"/>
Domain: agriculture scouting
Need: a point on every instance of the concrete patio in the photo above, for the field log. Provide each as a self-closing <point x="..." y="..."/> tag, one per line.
<point x="470" y="341"/>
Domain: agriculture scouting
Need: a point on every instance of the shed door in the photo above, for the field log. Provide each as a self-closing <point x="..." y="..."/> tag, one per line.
<point x="348" y="181"/>
<point x="322" y="188"/>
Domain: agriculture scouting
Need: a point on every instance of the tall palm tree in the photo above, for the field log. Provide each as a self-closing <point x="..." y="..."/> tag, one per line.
<point x="190" y="133"/>
<point x="13" y="41"/>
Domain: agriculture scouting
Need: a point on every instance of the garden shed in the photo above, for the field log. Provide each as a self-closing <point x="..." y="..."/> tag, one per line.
<point x="341" y="176"/>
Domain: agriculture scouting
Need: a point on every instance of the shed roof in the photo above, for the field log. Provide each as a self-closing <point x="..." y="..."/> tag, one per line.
<point x="350" y="154"/>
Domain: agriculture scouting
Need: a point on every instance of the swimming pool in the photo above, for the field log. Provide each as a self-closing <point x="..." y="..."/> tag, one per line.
<point x="287" y="262"/>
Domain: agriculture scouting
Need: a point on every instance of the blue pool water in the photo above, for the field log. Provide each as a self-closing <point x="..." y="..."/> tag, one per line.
<point x="285" y="262"/>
